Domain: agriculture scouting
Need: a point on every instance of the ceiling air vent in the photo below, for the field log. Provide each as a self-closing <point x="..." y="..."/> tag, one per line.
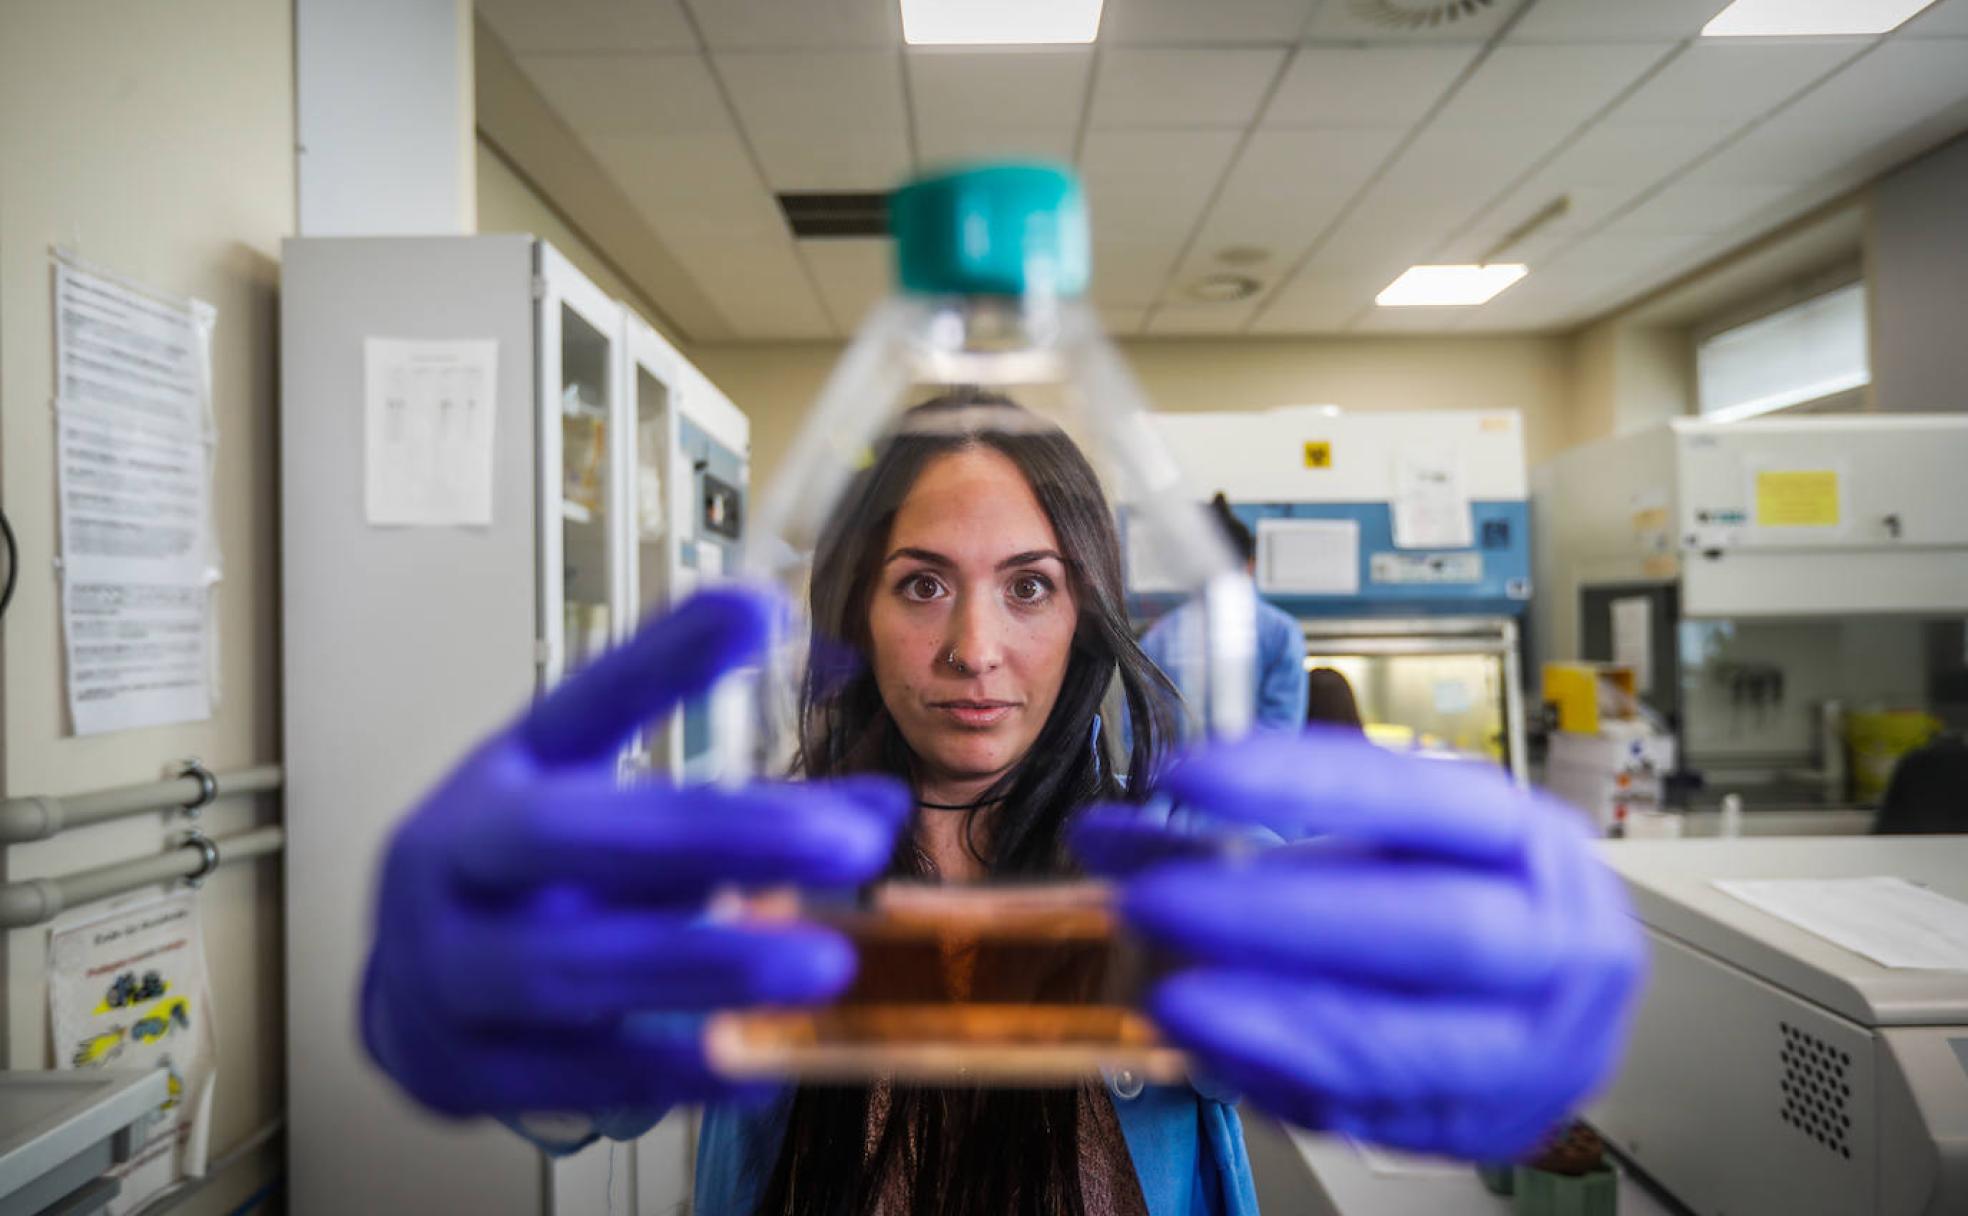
<point x="1417" y="14"/>
<point x="858" y="214"/>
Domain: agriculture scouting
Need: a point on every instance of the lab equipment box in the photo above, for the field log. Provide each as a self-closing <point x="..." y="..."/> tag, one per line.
<point x="618" y="478"/>
<point x="1772" y="1072"/>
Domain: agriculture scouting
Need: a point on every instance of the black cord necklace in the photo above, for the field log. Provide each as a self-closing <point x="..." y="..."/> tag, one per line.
<point x="957" y="806"/>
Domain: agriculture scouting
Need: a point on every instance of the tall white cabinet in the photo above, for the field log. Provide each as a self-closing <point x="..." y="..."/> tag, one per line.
<point x="619" y="483"/>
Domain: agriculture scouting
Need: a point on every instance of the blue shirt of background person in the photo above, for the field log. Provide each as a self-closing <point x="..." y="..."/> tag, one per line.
<point x="1281" y="686"/>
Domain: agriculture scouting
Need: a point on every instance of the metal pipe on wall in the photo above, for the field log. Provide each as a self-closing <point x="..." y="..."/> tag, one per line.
<point x="39" y="816"/>
<point x="36" y="900"/>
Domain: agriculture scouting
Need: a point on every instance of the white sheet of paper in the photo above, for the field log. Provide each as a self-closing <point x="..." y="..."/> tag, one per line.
<point x="1633" y="638"/>
<point x="133" y="451"/>
<point x="1308" y="556"/>
<point x="128" y="988"/>
<point x="710" y="561"/>
<point x="1891" y="921"/>
<point x="429" y="408"/>
<point x="1431" y="507"/>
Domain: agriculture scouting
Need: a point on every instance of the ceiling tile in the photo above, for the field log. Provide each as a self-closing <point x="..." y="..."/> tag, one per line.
<point x="1376" y="320"/>
<point x="1548" y="86"/>
<point x="1728" y="81"/>
<point x="1618" y="258"/>
<point x="758" y="284"/>
<point x="1699" y="209"/>
<point x="1151" y="186"/>
<point x="1187" y="22"/>
<point x="527" y="26"/>
<point x="1365" y="86"/>
<point x="1854" y="121"/>
<point x="936" y="148"/>
<point x="853" y="276"/>
<point x="1455" y="173"/>
<point x="1121" y="320"/>
<point x="795" y="24"/>
<point x="1189" y="319"/>
<point x="844" y="160"/>
<point x="1381" y="20"/>
<point x="815" y="94"/>
<point x="1615" y="20"/>
<point x="1318" y="301"/>
<point x="702" y="174"/>
<point x="1542" y="299"/>
<point x="998" y="90"/>
<point x="617" y="93"/>
<point x="1130" y="272"/>
<point x="1285" y="188"/>
<point x="1168" y="89"/>
<point x="1949" y="18"/>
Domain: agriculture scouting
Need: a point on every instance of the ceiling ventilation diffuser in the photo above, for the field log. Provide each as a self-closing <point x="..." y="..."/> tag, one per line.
<point x="1417" y="14"/>
<point x="861" y="213"/>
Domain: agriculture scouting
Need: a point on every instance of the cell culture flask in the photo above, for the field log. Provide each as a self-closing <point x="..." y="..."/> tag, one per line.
<point x="957" y="527"/>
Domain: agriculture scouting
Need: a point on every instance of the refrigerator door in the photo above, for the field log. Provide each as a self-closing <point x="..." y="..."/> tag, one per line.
<point x="652" y="382"/>
<point x="582" y="581"/>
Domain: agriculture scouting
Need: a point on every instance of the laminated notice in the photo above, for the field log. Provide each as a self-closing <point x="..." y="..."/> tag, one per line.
<point x="1797" y="498"/>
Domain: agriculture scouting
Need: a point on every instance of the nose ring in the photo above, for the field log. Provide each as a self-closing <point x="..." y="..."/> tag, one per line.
<point x="954" y="661"/>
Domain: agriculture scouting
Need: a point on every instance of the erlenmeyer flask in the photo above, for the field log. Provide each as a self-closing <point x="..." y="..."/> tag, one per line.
<point x="953" y="524"/>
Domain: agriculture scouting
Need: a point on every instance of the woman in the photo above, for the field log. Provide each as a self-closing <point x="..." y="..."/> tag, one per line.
<point x="1452" y="977"/>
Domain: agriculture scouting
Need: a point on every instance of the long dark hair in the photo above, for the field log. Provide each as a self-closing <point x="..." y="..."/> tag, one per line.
<point x="966" y="1152"/>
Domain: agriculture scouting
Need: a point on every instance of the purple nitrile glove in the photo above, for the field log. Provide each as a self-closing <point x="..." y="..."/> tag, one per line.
<point x="1442" y="964"/>
<point x="533" y="915"/>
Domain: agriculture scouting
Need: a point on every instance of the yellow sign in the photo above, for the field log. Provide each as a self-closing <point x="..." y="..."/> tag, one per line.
<point x="1797" y="498"/>
<point x="1318" y="454"/>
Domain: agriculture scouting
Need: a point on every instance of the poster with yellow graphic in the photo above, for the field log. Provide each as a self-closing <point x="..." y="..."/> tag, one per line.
<point x="127" y="989"/>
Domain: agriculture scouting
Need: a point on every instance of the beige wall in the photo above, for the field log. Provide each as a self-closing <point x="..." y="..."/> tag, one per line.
<point x="508" y="203"/>
<point x="157" y="141"/>
<point x="1626" y="375"/>
<point x="775" y="383"/>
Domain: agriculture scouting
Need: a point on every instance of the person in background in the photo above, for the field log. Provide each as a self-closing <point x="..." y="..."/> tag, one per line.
<point x="1329" y="699"/>
<point x="1281" y="687"/>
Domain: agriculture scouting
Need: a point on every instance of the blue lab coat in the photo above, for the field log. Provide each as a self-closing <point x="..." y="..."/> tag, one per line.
<point x="1281" y="678"/>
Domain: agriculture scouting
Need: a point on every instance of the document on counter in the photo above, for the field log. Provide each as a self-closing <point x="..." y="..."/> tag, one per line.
<point x="429" y="407"/>
<point x="1431" y="507"/>
<point x="1891" y="921"/>
<point x="139" y="554"/>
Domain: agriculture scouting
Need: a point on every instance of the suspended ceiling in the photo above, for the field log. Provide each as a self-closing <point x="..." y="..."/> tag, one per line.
<point x="1343" y="151"/>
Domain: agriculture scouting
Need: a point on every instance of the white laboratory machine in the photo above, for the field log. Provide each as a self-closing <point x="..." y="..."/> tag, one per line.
<point x="1771" y="582"/>
<point x="1400" y="542"/>
<point x="618" y="479"/>
<point x="1772" y="1072"/>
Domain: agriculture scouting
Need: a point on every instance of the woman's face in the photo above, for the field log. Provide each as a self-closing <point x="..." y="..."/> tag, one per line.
<point x="972" y="618"/>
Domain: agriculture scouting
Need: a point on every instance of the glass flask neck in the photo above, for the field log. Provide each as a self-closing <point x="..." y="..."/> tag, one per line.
<point x="989" y="340"/>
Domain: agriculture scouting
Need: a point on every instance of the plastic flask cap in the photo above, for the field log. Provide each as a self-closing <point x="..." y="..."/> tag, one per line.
<point x="993" y="230"/>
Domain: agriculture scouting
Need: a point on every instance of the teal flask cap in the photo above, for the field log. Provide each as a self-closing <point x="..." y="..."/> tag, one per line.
<point x="992" y="230"/>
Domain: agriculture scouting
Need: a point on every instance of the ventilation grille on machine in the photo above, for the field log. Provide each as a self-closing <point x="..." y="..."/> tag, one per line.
<point x="1817" y="1092"/>
<point x="1417" y="14"/>
<point x="857" y="214"/>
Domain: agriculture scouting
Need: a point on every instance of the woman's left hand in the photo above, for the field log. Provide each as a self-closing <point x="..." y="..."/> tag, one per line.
<point x="1441" y="965"/>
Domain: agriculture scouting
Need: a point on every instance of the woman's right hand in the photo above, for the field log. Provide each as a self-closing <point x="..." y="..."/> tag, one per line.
<point x="537" y="922"/>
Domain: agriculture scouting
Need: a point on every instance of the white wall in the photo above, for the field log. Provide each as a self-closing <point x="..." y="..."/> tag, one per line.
<point x="1919" y="278"/>
<point x="157" y="140"/>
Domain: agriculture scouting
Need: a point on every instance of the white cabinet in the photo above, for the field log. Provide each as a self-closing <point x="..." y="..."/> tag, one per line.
<point x="619" y="479"/>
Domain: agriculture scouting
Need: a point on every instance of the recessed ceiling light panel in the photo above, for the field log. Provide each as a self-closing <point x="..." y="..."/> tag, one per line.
<point x="999" y="22"/>
<point x="1449" y="286"/>
<point x="1808" y="18"/>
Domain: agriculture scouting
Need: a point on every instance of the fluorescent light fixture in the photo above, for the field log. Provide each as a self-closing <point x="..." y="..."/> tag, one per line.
<point x="1449" y="286"/>
<point x="998" y="22"/>
<point x="1805" y="18"/>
